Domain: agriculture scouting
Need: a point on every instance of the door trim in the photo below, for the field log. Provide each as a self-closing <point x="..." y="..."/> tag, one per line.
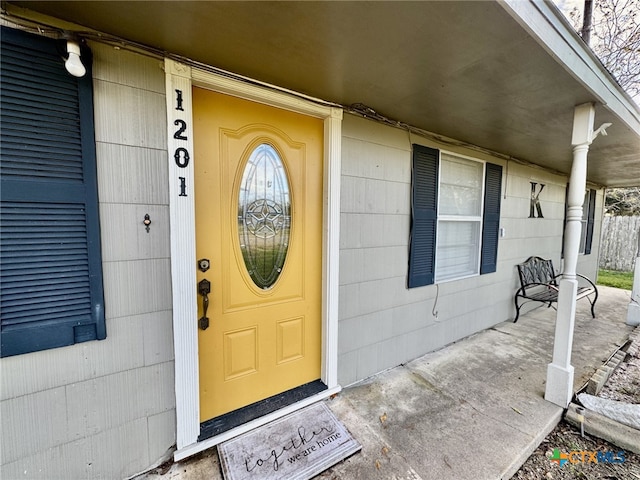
<point x="179" y="78"/>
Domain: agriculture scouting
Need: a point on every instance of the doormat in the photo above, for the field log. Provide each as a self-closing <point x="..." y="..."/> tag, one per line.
<point x="295" y="447"/>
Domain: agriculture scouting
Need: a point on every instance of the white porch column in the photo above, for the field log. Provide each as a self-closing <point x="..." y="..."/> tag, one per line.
<point x="633" y="312"/>
<point x="559" y="388"/>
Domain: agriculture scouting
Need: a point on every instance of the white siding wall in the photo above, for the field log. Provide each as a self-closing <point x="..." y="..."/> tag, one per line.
<point x="382" y="323"/>
<point x="106" y="409"/>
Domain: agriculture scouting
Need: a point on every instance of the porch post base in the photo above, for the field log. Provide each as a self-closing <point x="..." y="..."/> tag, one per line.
<point x="633" y="315"/>
<point x="559" y="388"/>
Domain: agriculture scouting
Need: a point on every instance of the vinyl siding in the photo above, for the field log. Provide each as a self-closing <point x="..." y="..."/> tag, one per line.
<point x="382" y="323"/>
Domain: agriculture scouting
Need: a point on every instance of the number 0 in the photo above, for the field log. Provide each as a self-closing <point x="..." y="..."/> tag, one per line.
<point x="181" y="156"/>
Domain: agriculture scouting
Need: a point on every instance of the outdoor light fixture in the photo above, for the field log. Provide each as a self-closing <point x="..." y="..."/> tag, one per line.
<point x="73" y="63"/>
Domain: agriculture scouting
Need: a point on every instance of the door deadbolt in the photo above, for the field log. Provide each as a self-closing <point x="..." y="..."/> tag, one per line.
<point x="204" y="264"/>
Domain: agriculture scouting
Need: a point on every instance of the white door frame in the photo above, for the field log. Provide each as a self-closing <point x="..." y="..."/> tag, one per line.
<point x="179" y="80"/>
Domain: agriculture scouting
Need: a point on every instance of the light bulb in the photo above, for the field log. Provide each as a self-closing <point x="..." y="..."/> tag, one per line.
<point x="73" y="64"/>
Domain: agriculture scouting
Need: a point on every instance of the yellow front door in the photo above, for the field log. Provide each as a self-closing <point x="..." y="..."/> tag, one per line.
<point x="258" y="196"/>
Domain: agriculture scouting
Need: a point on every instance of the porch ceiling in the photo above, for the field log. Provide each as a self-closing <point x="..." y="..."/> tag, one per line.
<point x="473" y="71"/>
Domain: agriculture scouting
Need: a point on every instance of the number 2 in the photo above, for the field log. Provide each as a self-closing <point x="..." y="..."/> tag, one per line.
<point x="183" y="126"/>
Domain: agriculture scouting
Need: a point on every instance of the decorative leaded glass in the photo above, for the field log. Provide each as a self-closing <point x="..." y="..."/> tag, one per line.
<point x="264" y="215"/>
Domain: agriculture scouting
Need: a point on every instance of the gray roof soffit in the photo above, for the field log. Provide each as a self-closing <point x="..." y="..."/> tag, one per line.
<point x="544" y="22"/>
<point x="442" y="67"/>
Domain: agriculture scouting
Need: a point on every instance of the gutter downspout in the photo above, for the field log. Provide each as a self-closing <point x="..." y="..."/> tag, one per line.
<point x="559" y="387"/>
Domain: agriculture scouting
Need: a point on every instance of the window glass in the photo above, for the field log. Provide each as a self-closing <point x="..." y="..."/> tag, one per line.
<point x="459" y="217"/>
<point x="458" y="249"/>
<point x="264" y="216"/>
<point x="460" y="186"/>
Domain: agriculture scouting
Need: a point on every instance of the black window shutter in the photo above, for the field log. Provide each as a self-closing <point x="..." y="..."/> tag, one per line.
<point x="424" y="203"/>
<point x="590" y="221"/>
<point x="491" y="218"/>
<point x="51" y="291"/>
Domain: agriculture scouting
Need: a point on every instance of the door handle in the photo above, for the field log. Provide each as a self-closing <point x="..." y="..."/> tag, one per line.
<point x="204" y="288"/>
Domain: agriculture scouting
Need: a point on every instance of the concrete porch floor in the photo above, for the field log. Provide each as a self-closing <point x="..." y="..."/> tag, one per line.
<point x="472" y="410"/>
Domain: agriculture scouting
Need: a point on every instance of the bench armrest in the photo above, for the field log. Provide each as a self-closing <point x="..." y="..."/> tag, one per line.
<point x="588" y="280"/>
<point x="593" y="285"/>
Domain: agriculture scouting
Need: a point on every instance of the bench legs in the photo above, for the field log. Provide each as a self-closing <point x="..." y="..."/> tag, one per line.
<point x="549" y="304"/>
<point x="593" y="304"/>
<point x="517" y="310"/>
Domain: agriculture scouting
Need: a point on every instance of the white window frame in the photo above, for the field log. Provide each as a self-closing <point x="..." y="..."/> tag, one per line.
<point x="441" y="218"/>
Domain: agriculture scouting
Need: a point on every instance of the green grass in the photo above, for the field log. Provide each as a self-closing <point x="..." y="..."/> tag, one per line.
<point x="611" y="278"/>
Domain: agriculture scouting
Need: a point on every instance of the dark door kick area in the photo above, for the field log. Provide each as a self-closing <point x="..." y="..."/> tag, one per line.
<point x="234" y="419"/>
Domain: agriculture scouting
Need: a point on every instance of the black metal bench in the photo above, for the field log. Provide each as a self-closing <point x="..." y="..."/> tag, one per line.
<point x="538" y="283"/>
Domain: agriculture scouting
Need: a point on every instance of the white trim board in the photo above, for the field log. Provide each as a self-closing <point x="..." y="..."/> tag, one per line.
<point x="183" y="259"/>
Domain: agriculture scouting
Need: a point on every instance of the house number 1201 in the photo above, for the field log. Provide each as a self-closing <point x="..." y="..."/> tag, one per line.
<point x="181" y="154"/>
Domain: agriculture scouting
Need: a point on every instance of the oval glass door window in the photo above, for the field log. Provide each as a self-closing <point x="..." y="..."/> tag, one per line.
<point x="264" y="216"/>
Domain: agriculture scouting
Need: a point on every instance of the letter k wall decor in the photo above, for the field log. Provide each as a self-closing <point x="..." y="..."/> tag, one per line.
<point x="534" y="205"/>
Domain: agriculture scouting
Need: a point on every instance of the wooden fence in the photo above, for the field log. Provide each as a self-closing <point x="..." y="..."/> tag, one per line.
<point x="619" y="245"/>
